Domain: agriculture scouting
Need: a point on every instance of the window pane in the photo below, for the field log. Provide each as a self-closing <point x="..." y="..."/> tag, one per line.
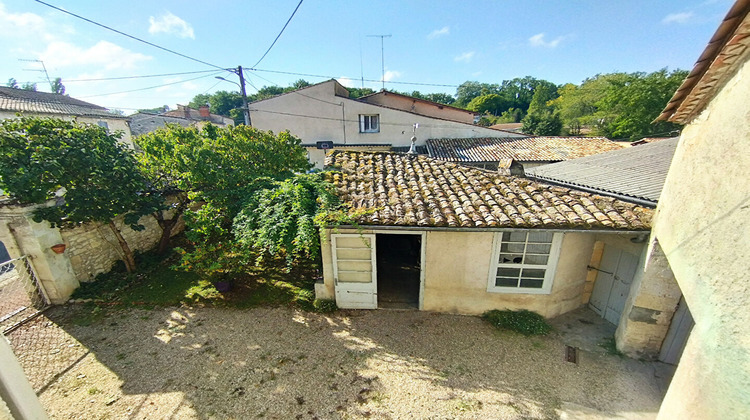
<point x="538" y="248"/>
<point x="541" y="237"/>
<point x="374" y="122"/>
<point x="507" y="258"/>
<point x="532" y="283"/>
<point x="536" y="259"/>
<point x="508" y="272"/>
<point x="506" y="282"/>
<point x="515" y="236"/>
<point x="511" y="247"/>
<point x="534" y="273"/>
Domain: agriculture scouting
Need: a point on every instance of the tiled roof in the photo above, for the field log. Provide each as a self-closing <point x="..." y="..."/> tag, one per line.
<point x="19" y="100"/>
<point x="400" y="190"/>
<point x="725" y="52"/>
<point x="529" y="149"/>
<point x="636" y="172"/>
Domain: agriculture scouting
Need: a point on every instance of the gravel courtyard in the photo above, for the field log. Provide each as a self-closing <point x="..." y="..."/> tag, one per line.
<point x="280" y="363"/>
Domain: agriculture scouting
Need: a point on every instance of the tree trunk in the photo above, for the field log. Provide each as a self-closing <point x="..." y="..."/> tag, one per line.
<point x="166" y="234"/>
<point x="128" y="258"/>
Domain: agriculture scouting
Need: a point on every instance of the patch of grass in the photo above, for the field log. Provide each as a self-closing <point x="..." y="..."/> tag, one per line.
<point x="94" y="390"/>
<point x="468" y="405"/>
<point x="610" y="345"/>
<point x="87" y="315"/>
<point x="157" y="284"/>
<point x="524" y="322"/>
<point x="325" y="306"/>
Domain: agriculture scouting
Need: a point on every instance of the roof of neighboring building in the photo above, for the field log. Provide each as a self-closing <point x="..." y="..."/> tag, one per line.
<point x="507" y="126"/>
<point x="721" y="58"/>
<point x="20" y="100"/>
<point x="528" y="149"/>
<point x="191" y="114"/>
<point x="366" y="98"/>
<point x="398" y="190"/>
<point x="143" y="122"/>
<point x="632" y="173"/>
<point x="649" y="140"/>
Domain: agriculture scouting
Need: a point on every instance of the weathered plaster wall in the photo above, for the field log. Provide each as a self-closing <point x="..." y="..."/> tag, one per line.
<point x="456" y="274"/>
<point x="703" y="225"/>
<point x="315" y="114"/>
<point x="419" y="107"/>
<point x="650" y="307"/>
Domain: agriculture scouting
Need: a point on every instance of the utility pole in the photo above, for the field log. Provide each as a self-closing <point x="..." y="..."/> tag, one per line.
<point x="382" y="55"/>
<point x="245" y="108"/>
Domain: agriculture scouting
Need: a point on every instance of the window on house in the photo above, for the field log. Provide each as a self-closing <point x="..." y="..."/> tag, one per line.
<point x="103" y="124"/>
<point x="524" y="262"/>
<point x="369" y="123"/>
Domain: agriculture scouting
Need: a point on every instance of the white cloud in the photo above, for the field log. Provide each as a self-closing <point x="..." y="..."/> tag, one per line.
<point x="681" y="18"/>
<point x="467" y="56"/>
<point x="346" y="81"/>
<point x="445" y="30"/>
<point x="539" y="41"/>
<point x="391" y="74"/>
<point x="13" y="21"/>
<point x="171" y="24"/>
<point x="107" y="54"/>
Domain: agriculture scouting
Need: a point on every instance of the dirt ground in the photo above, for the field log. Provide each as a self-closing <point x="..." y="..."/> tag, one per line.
<point x="280" y="363"/>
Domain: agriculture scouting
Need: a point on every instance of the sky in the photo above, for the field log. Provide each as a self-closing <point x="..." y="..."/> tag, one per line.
<point x="439" y="44"/>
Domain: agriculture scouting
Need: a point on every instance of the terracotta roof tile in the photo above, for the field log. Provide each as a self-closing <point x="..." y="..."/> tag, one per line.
<point x="19" y="100"/>
<point x="528" y="149"/>
<point x="401" y="190"/>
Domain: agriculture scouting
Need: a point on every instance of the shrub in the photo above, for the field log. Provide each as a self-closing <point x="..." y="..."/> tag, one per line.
<point x="325" y="306"/>
<point x="523" y="322"/>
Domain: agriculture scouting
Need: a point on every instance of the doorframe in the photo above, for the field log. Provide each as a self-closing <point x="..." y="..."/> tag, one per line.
<point x="423" y="238"/>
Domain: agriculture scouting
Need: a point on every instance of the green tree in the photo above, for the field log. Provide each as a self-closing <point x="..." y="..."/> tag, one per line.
<point x="441" y="98"/>
<point x="158" y="110"/>
<point x="491" y="103"/>
<point x="359" y="92"/>
<point x="469" y="90"/>
<point x="57" y="87"/>
<point x="577" y="105"/>
<point x="29" y="86"/>
<point x="228" y="104"/>
<point x="541" y="119"/>
<point x="631" y="103"/>
<point x="219" y="166"/>
<point x="94" y="175"/>
<point x="12" y="83"/>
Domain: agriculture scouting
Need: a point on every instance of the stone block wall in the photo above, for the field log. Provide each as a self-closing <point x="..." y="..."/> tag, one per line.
<point x="93" y="248"/>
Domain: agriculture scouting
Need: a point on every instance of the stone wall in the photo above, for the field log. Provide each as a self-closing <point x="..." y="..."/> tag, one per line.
<point x="93" y="248"/>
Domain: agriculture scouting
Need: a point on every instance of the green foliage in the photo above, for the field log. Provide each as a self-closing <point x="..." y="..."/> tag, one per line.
<point x="39" y="156"/>
<point x="228" y="104"/>
<point x="29" y="86"/>
<point x="220" y="165"/>
<point x="491" y="103"/>
<point x="325" y="306"/>
<point x="546" y="124"/>
<point x="284" y="219"/>
<point x="57" y="87"/>
<point x="523" y="321"/>
<point x="157" y="110"/>
<point x="359" y="92"/>
<point x="12" y="83"/>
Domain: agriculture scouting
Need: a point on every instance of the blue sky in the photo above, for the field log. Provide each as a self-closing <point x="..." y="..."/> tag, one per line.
<point x="433" y="42"/>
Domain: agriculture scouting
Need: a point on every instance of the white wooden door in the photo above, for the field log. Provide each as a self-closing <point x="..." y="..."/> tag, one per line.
<point x="678" y="334"/>
<point x="613" y="281"/>
<point x="355" y="271"/>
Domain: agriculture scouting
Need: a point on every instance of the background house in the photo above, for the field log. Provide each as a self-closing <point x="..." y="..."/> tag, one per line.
<point x="142" y="122"/>
<point x="495" y="153"/>
<point x="43" y="104"/>
<point x="449" y="238"/>
<point x="324" y="117"/>
<point x="421" y="107"/>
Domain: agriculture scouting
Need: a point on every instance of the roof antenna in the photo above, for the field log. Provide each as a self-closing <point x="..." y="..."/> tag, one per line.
<point x="413" y="149"/>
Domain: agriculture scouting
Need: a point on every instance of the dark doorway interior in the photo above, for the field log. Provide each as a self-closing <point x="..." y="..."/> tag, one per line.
<point x="398" y="270"/>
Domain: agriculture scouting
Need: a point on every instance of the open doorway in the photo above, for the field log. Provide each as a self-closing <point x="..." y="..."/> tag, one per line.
<point x="399" y="270"/>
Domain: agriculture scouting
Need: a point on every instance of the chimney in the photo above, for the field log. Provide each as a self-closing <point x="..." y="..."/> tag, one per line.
<point x="204" y="110"/>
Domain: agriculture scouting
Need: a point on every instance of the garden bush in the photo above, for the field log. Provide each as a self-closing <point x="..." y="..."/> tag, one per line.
<point x="523" y="322"/>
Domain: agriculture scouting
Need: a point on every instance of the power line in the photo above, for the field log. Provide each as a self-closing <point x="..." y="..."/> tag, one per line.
<point x="297" y="92"/>
<point x="130" y="36"/>
<point x="279" y="35"/>
<point x="101" y="79"/>
<point x="334" y="77"/>
<point x="150" y="87"/>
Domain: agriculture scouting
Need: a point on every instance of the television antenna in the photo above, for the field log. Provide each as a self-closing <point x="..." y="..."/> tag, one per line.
<point x="382" y="59"/>
<point x="44" y="68"/>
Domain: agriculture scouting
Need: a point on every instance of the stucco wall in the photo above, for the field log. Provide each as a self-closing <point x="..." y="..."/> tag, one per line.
<point x="456" y="274"/>
<point x="702" y="223"/>
<point x="316" y="114"/>
<point x="419" y="107"/>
